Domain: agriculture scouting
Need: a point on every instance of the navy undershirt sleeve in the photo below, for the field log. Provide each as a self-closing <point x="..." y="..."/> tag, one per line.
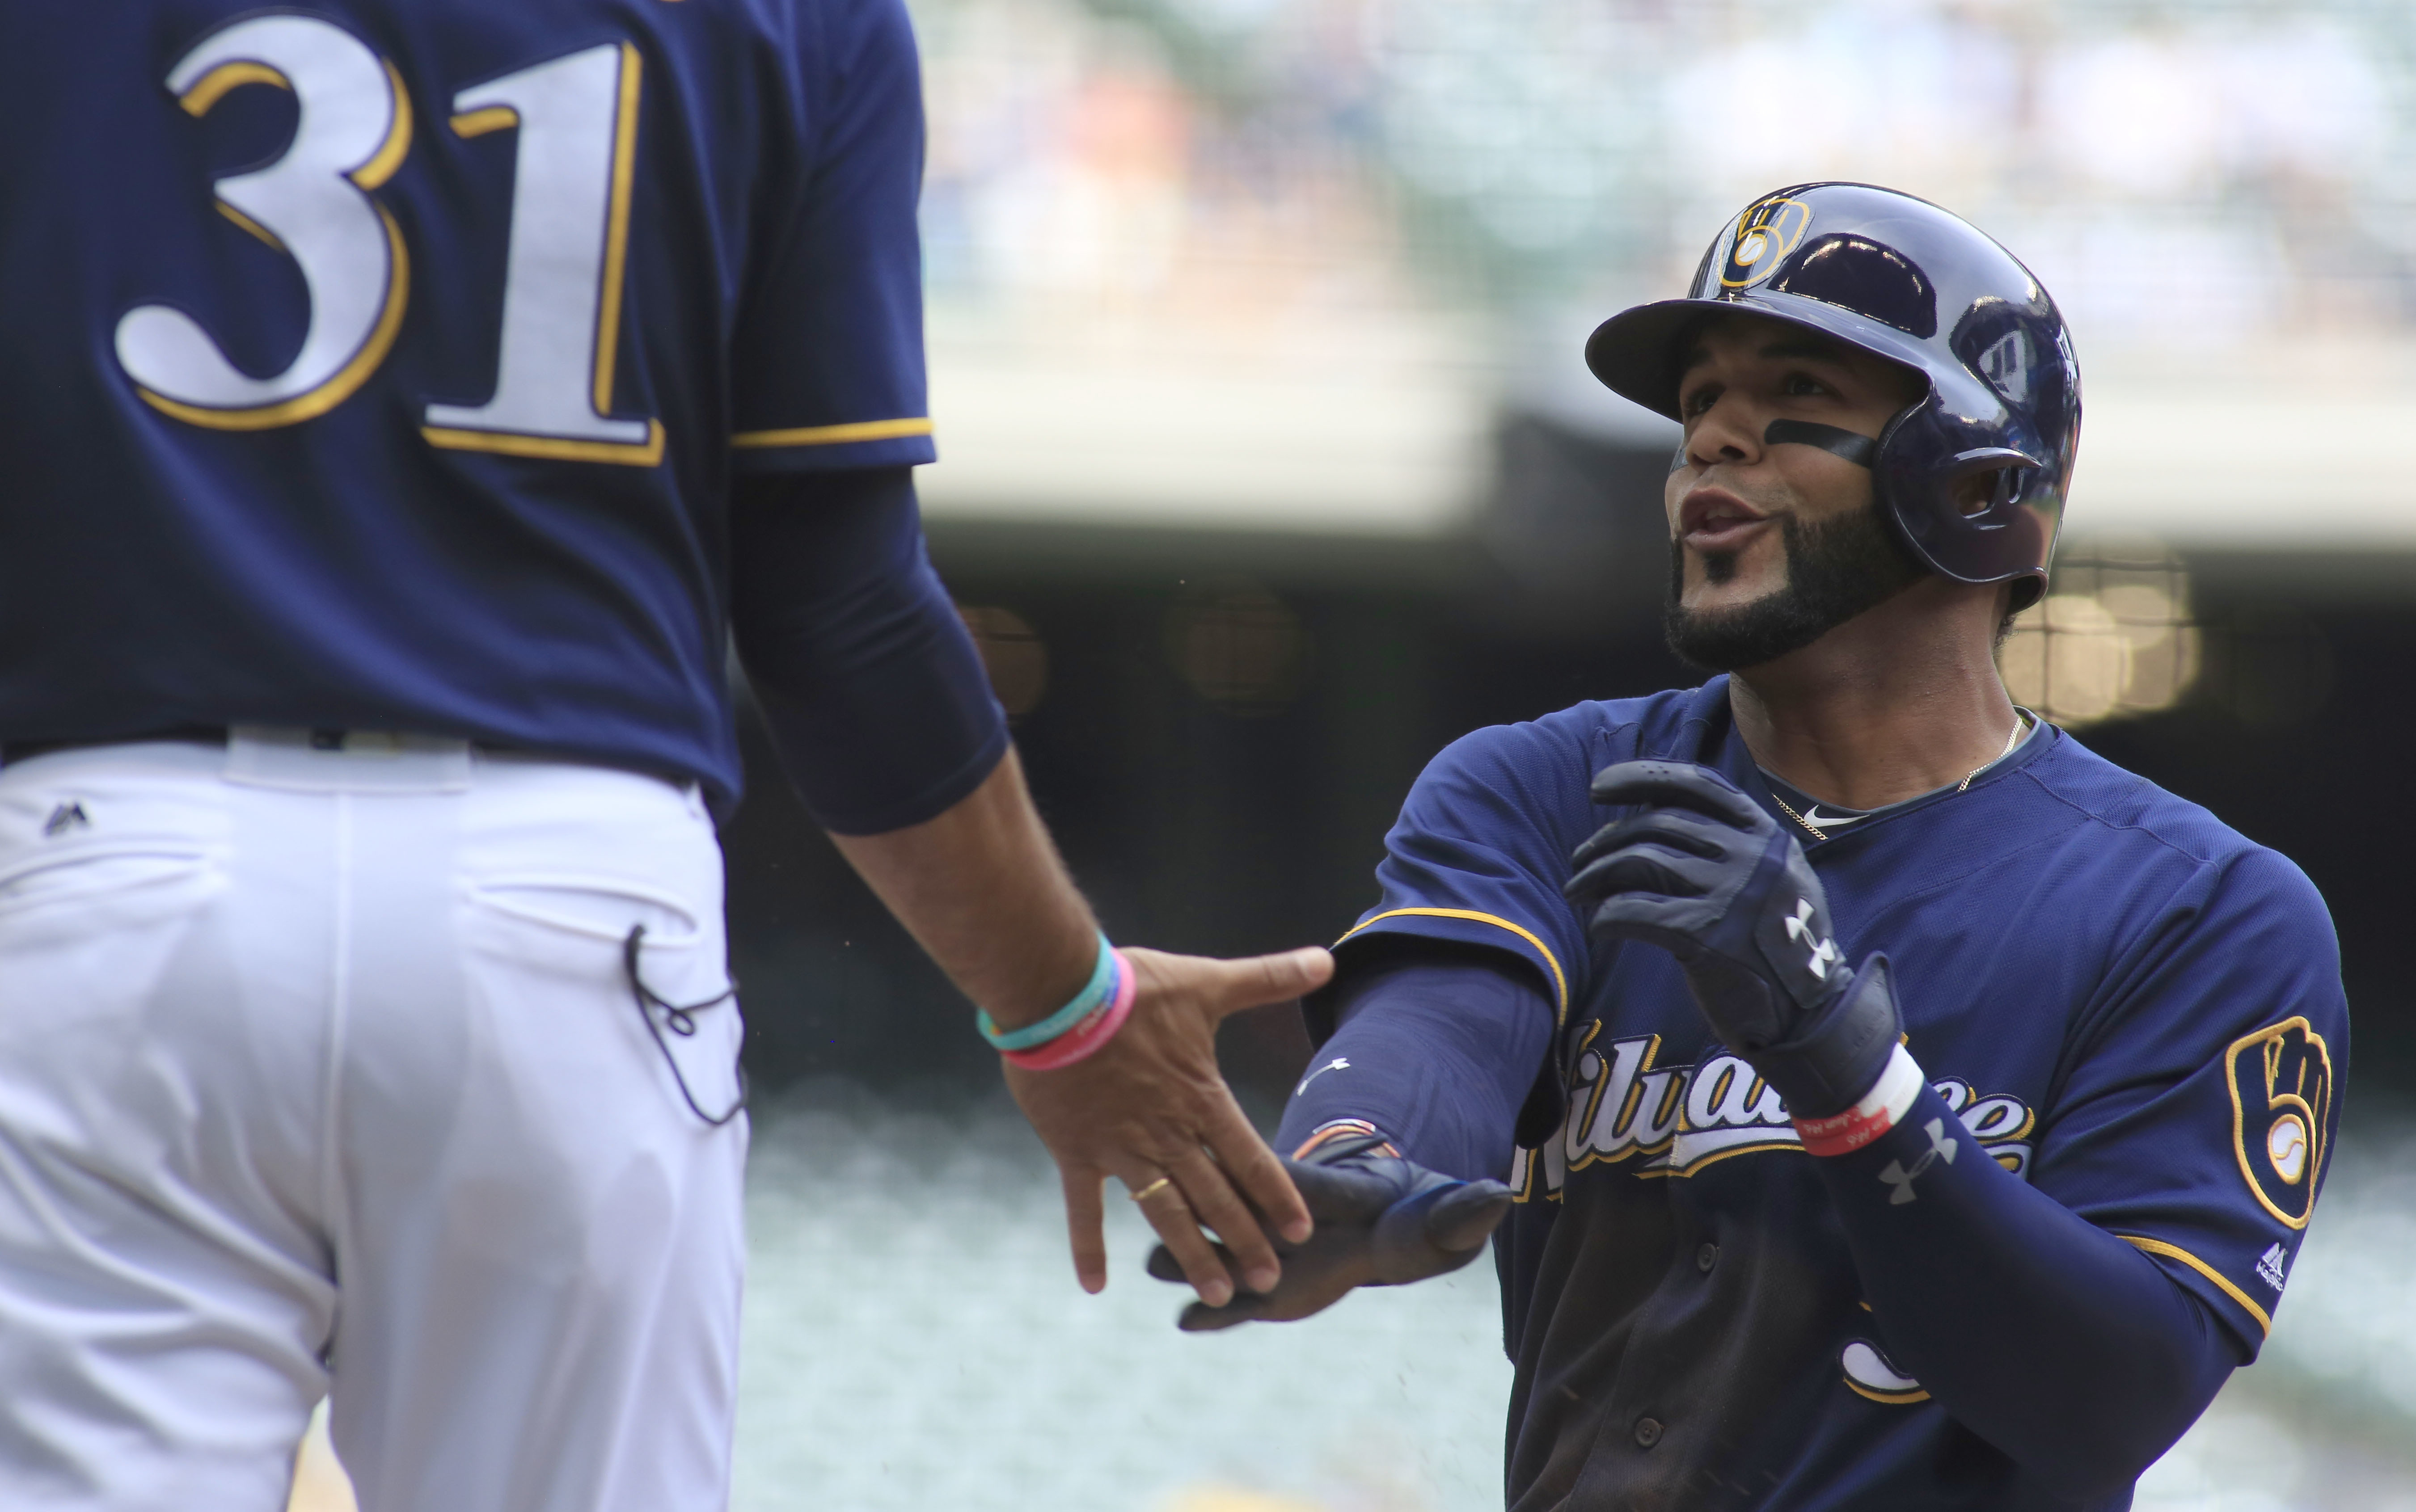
<point x="867" y="678"/>
<point x="2044" y="1333"/>
<point x="1436" y="1049"/>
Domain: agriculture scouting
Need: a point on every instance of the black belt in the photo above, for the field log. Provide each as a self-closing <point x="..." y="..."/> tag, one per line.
<point x="190" y="734"/>
<point x="321" y="739"/>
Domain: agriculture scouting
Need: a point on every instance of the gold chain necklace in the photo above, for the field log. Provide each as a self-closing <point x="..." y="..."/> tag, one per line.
<point x="2021" y="726"/>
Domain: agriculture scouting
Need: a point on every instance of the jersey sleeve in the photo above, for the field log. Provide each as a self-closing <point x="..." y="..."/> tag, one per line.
<point x="1435" y="1050"/>
<point x="2198" y="1115"/>
<point x="827" y="357"/>
<point x="1482" y="848"/>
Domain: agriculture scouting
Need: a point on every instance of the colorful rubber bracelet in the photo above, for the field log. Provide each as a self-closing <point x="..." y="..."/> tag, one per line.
<point x="1091" y="1036"/>
<point x="1334" y="1128"/>
<point x="1881" y="1108"/>
<point x="1094" y="995"/>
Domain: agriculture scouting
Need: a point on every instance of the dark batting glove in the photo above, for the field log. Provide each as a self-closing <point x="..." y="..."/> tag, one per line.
<point x="1381" y="1222"/>
<point x="1701" y="871"/>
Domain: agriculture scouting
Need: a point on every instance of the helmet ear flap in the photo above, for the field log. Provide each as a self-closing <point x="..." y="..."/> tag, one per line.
<point x="2002" y="467"/>
<point x="1960" y="506"/>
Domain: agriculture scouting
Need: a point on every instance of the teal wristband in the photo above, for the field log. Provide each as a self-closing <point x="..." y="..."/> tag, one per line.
<point x="1101" y="987"/>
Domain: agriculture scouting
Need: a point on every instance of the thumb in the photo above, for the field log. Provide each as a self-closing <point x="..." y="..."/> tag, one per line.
<point x="1199" y="1318"/>
<point x="1254" y="981"/>
<point x="1464" y="1217"/>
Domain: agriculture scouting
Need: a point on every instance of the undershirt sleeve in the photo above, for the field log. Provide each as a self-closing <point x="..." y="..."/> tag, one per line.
<point x="2053" y="1339"/>
<point x="869" y="680"/>
<point x="1436" y="1048"/>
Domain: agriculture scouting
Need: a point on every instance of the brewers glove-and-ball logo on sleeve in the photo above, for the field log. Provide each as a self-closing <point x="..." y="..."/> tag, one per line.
<point x="2281" y="1094"/>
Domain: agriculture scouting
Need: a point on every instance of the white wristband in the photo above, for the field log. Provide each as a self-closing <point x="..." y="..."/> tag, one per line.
<point x="1882" y="1109"/>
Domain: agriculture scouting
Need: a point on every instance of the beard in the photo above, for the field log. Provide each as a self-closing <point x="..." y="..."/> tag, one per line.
<point x="1834" y="572"/>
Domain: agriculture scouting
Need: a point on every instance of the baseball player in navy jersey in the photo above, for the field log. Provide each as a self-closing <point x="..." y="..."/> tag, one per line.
<point x="1899" y="1106"/>
<point x="403" y="404"/>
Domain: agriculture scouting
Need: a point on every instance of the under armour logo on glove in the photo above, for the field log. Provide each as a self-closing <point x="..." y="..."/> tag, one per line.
<point x="1799" y="927"/>
<point x="1941" y="1147"/>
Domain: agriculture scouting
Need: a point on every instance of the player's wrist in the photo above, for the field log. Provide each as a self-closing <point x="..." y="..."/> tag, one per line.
<point x="1076" y="1031"/>
<point x="1841" y="1052"/>
<point x="1880" y="1110"/>
<point x="1341" y="1139"/>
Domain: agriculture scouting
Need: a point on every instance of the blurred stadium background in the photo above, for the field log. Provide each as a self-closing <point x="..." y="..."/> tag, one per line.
<point x="1270" y="465"/>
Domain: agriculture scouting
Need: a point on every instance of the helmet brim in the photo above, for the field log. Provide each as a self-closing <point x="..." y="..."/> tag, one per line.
<point x="1635" y="353"/>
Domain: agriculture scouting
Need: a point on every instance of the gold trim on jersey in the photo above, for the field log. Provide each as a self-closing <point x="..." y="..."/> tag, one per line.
<point x="1558" y="980"/>
<point x="835" y="435"/>
<point x="224" y="80"/>
<point x="616" y="238"/>
<point x="479" y="123"/>
<point x="397" y="146"/>
<point x="250" y="225"/>
<point x="2158" y="1246"/>
<point x="550" y="448"/>
<point x="1892" y="1398"/>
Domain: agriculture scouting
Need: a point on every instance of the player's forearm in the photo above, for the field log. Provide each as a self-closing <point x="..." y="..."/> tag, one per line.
<point x="1436" y="1053"/>
<point x="981" y="888"/>
<point x="2051" y="1338"/>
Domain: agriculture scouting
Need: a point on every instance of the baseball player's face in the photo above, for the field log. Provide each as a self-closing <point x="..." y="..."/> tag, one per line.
<point x="1735" y="501"/>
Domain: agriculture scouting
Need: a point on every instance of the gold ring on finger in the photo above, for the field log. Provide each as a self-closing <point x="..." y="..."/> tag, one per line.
<point x="1145" y="1193"/>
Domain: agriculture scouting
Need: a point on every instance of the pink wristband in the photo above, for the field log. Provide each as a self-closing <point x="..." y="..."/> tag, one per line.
<point x="1880" y="1110"/>
<point x="1087" y="1037"/>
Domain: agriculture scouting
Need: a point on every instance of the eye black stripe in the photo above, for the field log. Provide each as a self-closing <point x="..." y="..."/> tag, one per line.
<point x="1858" y="449"/>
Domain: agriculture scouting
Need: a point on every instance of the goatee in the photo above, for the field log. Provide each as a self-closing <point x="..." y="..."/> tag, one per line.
<point x="1834" y="572"/>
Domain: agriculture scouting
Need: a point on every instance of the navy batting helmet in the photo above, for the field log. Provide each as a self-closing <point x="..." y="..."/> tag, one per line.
<point x="1905" y="280"/>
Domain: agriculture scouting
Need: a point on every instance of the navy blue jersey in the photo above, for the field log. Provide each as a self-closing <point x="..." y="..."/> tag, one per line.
<point x="2122" y="1001"/>
<point x="387" y="365"/>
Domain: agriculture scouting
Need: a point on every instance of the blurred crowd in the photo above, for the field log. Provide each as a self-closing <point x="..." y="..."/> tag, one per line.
<point x="2177" y="173"/>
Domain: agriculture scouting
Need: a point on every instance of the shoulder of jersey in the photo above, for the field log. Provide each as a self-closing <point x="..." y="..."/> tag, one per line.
<point x="2120" y="800"/>
<point x="1584" y="737"/>
<point x="1654" y="721"/>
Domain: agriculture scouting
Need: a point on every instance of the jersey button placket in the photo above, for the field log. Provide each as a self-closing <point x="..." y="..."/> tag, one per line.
<point x="1706" y="1256"/>
<point x="1647" y="1432"/>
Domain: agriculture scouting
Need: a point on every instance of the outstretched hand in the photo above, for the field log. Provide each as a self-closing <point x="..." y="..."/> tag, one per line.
<point x="1381" y="1222"/>
<point x="1151" y="1109"/>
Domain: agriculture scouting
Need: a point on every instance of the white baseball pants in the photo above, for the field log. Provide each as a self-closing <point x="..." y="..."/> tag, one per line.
<point x="320" y="1073"/>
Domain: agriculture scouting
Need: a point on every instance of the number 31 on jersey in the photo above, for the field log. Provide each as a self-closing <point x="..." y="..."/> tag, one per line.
<point x="575" y="119"/>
